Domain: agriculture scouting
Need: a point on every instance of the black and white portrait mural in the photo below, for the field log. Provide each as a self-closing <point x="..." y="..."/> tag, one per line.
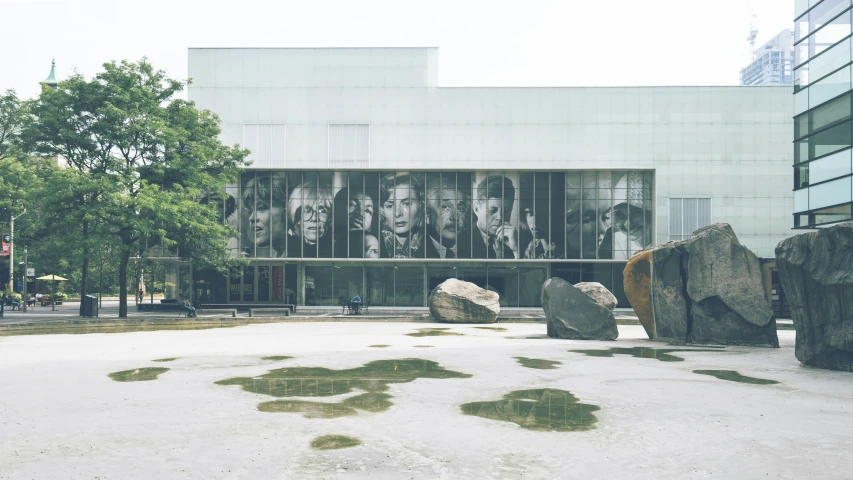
<point x="509" y="215"/>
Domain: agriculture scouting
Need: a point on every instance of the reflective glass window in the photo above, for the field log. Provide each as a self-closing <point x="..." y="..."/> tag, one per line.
<point x="830" y="140"/>
<point x="830" y="193"/>
<point x="829" y="87"/>
<point x="830" y="112"/>
<point x="832" y="214"/>
<point x="827" y="62"/>
<point x="827" y="168"/>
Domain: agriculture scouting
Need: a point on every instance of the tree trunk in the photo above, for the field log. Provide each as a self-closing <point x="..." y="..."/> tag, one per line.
<point x="84" y="271"/>
<point x="122" y="285"/>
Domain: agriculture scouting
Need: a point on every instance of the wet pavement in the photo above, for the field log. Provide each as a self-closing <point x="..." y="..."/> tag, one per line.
<point x="305" y="400"/>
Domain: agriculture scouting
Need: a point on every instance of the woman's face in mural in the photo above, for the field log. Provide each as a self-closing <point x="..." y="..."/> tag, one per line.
<point x="591" y="225"/>
<point x="360" y="212"/>
<point x="265" y="221"/>
<point x="314" y="221"/>
<point x="401" y="210"/>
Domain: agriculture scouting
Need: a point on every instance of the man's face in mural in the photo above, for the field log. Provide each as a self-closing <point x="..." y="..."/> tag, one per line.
<point x="371" y="246"/>
<point x="360" y="212"/>
<point x="448" y="215"/>
<point x="401" y="210"/>
<point x="314" y="221"/>
<point x="492" y="213"/>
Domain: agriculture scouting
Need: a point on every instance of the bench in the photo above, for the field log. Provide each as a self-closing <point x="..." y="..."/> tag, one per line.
<point x="286" y="310"/>
<point x="232" y="311"/>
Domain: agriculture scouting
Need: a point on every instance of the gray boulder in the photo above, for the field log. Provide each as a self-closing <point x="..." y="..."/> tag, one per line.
<point x="572" y="314"/>
<point x="708" y="289"/>
<point x="816" y="270"/>
<point x="456" y="301"/>
<point x="598" y="293"/>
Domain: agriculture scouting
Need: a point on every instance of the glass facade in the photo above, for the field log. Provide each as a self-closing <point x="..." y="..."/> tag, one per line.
<point x="316" y="237"/>
<point x="823" y="127"/>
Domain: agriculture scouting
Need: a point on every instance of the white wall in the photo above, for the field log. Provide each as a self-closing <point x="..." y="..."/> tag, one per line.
<point x="732" y="144"/>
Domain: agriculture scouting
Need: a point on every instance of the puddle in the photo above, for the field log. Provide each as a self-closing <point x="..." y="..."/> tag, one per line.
<point x="138" y="375"/>
<point x="494" y="329"/>
<point x="537" y="363"/>
<point x="332" y="442"/>
<point x="276" y="357"/>
<point x="660" y="354"/>
<point x="734" y="376"/>
<point x="423" y="346"/>
<point x="170" y="359"/>
<point x="373" y="378"/>
<point x="368" y="402"/>
<point x="432" y="332"/>
<point x="379" y="346"/>
<point x="545" y="409"/>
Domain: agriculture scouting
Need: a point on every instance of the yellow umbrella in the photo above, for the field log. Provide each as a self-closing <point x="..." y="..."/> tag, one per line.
<point x="54" y="278"/>
<point x="51" y="277"/>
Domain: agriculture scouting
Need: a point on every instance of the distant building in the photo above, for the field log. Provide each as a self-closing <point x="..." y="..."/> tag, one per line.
<point x="772" y="63"/>
<point x="823" y="125"/>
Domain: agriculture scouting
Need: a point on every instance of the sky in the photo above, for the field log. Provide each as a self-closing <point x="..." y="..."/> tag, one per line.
<point x="481" y="42"/>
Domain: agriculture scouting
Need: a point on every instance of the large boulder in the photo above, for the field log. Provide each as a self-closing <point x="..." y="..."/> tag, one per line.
<point x="638" y="288"/>
<point x="816" y="270"/>
<point x="598" y="293"/>
<point x="456" y="301"/>
<point x="706" y="289"/>
<point x="574" y="315"/>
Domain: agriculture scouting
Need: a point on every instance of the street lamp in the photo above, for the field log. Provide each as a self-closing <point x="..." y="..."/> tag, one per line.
<point x="24" y="263"/>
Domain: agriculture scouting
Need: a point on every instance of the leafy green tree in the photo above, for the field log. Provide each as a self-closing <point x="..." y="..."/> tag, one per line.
<point x="143" y="161"/>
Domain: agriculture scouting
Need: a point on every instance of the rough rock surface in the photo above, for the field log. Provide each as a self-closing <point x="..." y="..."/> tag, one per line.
<point x="638" y="288"/>
<point x="456" y="301"/>
<point x="706" y="289"/>
<point x="599" y="293"/>
<point x="816" y="270"/>
<point x="574" y="315"/>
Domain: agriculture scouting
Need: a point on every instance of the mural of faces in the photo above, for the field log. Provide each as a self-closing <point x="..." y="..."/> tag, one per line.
<point x="444" y="215"/>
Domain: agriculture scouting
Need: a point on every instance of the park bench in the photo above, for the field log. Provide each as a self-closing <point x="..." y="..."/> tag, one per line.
<point x="232" y="311"/>
<point x="286" y="310"/>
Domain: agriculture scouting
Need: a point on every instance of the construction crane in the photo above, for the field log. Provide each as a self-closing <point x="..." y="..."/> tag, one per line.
<point x="753" y="34"/>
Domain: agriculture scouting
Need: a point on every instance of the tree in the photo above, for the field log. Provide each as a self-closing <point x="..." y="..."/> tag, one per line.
<point x="144" y="161"/>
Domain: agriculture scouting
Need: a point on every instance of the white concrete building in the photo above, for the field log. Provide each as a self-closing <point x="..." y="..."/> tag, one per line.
<point x="587" y="176"/>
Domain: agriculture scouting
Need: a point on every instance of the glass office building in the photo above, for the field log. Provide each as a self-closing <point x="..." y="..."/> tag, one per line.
<point x="368" y="177"/>
<point x="823" y="128"/>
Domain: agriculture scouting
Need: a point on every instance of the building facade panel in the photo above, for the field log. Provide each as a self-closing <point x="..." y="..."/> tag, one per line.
<point x="729" y="145"/>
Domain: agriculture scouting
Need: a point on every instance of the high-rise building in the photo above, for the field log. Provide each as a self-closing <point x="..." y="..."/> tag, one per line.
<point x="772" y="63"/>
<point x="823" y="128"/>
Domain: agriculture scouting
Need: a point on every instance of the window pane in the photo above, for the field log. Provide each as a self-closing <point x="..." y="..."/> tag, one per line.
<point x="348" y="282"/>
<point x="264" y="283"/>
<point x="380" y="285"/>
<point x="831" y="86"/>
<point x="828" y="61"/>
<point x="409" y="286"/>
<point x="319" y="286"/>
<point x="437" y="274"/>
<point x="830" y="167"/>
<point x="833" y="214"/>
<point x="831" y="140"/>
<point x="830" y="193"/>
<point x="830" y="112"/>
<point x="504" y="281"/>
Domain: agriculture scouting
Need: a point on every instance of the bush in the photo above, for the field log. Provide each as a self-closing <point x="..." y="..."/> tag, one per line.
<point x="11" y="296"/>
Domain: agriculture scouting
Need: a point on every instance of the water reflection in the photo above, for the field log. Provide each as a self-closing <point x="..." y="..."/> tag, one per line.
<point x="333" y="442"/>
<point x="432" y="332"/>
<point x="660" y="354"/>
<point x="733" y="376"/>
<point x="544" y="409"/>
<point x="537" y="363"/>
<point x="137" y="375"/>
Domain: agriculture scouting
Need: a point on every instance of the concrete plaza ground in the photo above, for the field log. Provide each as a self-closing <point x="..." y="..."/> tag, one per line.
<point x="61" y="416"/>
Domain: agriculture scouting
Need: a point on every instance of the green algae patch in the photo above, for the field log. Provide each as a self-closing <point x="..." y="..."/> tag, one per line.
<point x="138" y="375"/>
<point x="423" y="346"/>
<point x="170" y="359"/>
<point x="432" y="332"/>
<point x="537" y="363"/>
<point x="276" y="357"/>
<point x="545" y="409"/>
<point x="373" y="379"/>
<point x="334" y="442"/>
<point x="660" y="354"/>
<point x="494" y="329"/>
<point x="379" y="346"/>
<point x="733" y="376"/>
<point x="368" y="402"/>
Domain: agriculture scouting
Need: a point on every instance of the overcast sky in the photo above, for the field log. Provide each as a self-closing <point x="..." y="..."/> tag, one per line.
<point x="481" y="42"/>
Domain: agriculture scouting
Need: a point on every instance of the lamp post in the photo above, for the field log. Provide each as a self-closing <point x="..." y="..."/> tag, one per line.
<point x="26" y="298"/>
